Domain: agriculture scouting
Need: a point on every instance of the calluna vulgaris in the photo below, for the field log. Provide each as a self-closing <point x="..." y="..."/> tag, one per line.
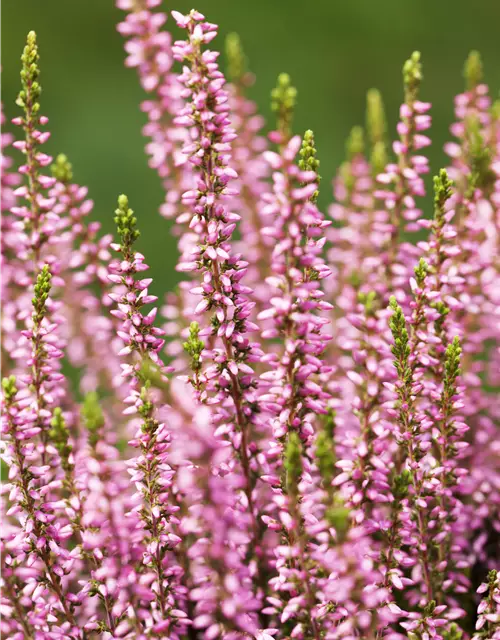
<point x="303" y="440"/>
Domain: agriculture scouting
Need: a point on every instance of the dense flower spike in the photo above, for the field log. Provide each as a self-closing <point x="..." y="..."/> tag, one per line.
<point x="149" y="50"/>
<point x="44" y="378"/>
<point x="37" y="216"/>
<point x="222" y="294"/>
<point x="252" y="170"/>
<point x="335" y="477"/>
<point x="9" y="179"/>
<point x="296" y="393"/>
<point x="295" y="308"/>
<point x="83" y="256"/>
<point x="405" y="176"/>
<point x="150" y="471"/>
<point x="283" y="99"/>
<point x="488" y="622"/>
<point x="228" y="383"/>
<point x="35" y="481"/>
<point x="376" y="127"/>
<point x="30" y="229"/>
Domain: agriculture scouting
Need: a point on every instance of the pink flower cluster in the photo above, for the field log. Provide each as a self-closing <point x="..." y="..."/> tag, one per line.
<point x="303" y="441"/>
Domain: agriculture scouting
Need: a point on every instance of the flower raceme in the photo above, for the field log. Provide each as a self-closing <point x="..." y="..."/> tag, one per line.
<point x="303" y="440"/>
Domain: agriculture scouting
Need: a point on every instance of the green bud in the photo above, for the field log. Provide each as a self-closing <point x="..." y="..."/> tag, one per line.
<point x="147" y="410"/>
<point x="42" y="291"/>
<point x="442" y="193"/>
<point x="401" y="347"/>
<point x="495" y="110"/>
<point x="31" y="90"/>
<point x="194" y="346"/>
<point x="378" y="157"/>
<point x="126" y="224"/>
<point x="338" y="518"/>
<point x="308" y="160"/>
<point x="122" y="445"/>
<point x="412" y="77"/>
<point x="151" y="373"/>
<point x="355" y="144"/>
<point x="355" y="279"/>
<point x="453" y="633"/>
<point x="93" y="417"/>
<point x="283" y="101"/>
<point x="147" y="407"/>
<point x="325" y="457"/>
<point x="9" y="388"/>
<point x="452" y="365"/>
<point x="473" y="70"/>
<point x="441" y="308"/>
<point x="397" y="322"/>
<point x="376" y="124"/>
<point x="492" y="578"/>
<point x="329" y="423"/>
<point x="308" y="152"/>
<point x="429" y="609"/>
<point x="293" y="463"/>
<point x="443" y="311"/>
<point x="421" y="271"/>
<point x="236" y="59"/>
<point x="59" y="435"/>
<point x="325" y="450"/>
<point x="62" y="169"/>
<point x="368" y="301"/>
<point x="347" y="177"/>
<point x="401" y="484"/>
<point x="480" y="157"/>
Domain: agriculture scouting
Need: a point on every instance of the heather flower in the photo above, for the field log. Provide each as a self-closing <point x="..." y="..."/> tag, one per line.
<point x="283" y="98"/>
<point x="150" y="471"/>
<point x="41" y="341"/>
<point x="39" y="222"/>
<point x="362" y="223"/>
<point x="488" y="622"/>
<point x="106" y="502"/>
<point x="294" y="316"/>
<point x="33" y="474"/>
<point x="252" y="170"/>
<point x="295" y="310"/>
<point x="334" y="477"/>
<point x="357" y="263"/>
<point x="9" y="179"/>
<point x="431" y="497"/>
<point x="472" y="112"/>
<point x="228" y="383"/>
<point x="30" y="228"/>
<point x="405" y="176"/>
<point x="83" y="256"/>
<point x="237" y="72"/>
<point x="149" y="49"/>
<point x="137" y="333"/>
<point x="475" y="173"/>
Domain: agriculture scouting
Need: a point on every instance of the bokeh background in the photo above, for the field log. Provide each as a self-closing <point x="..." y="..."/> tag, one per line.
<point x="334" y="50"/>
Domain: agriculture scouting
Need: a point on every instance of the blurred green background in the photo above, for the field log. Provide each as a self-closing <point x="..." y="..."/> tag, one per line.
<point x="334" y="50"/>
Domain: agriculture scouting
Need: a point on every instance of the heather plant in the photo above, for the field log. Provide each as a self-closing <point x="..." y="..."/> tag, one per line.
<point x="303" y="439"/>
